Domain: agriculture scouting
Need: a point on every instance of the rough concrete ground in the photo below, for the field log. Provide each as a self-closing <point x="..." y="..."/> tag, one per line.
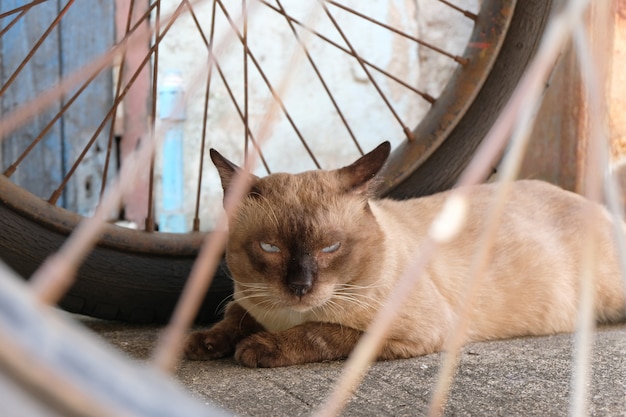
<point x="520" y="377"/>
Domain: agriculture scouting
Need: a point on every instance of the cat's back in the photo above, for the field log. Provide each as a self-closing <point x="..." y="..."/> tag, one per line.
<point x="532" y="199"/>
<point x="535" y="211"/>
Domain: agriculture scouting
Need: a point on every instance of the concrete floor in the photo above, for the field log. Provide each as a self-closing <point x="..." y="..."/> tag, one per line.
<point x="520" y="377"/>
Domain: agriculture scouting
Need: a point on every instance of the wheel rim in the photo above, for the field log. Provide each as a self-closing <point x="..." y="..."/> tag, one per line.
<point x="460" y="92"/>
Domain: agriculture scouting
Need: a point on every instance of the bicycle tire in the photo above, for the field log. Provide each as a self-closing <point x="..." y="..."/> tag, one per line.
<point x="138" y="284"/>
<point x="142" y="282"/>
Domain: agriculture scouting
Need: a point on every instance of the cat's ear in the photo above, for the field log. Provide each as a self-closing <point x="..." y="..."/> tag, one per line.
<point x="226" y="169"/>
<point x="357" y="177"/>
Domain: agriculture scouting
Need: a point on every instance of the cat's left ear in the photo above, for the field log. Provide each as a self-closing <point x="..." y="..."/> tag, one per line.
<point x="358" y="176"/>
<point x="226" y="169"/>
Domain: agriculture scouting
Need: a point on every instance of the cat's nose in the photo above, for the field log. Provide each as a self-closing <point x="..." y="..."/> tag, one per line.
<point x="299" y="289"/>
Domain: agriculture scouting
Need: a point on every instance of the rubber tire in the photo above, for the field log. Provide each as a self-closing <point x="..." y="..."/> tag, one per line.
<point x="115" y="283"/>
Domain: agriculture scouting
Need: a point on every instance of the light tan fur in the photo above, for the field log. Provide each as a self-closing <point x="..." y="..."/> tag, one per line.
<point x="530" y="287"/>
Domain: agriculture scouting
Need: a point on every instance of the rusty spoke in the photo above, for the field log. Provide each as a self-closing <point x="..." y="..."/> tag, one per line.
<point x="246" y="136"/>
<point x="13" y="167"/>
<point x="21" y="9"/>
<point x="421" y="42"/>
<point x="466" y="13"/>
<point x="118" y="88"/>
<point x="229" y="90"/>
<point x="215" y="61"/>
<point x="405" y="129"/>
<point x="13" y="22"/>
<point x="34" y="49"/>
<point x="149" y="223"/>
<point x="242" y="115"/>
<point x="430" y="99"/>
<point x="57" y="193"/>
<point x="205" y="114"/>
<point x="270" y="88"/>
<point x="319" y="76"/>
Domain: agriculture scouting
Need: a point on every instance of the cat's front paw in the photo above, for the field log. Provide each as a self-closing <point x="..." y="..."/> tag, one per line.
<point x="207" y="345"/>
<point x="262" y="350"/>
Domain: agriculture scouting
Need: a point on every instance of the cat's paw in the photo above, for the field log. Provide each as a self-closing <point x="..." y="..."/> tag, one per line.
<point x="207" y="345"/>
<point x="262" y="350"/>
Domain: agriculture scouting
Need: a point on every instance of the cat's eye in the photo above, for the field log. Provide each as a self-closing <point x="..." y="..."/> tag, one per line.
<point x="332" y="248"/>
<point x="269" y="248"/>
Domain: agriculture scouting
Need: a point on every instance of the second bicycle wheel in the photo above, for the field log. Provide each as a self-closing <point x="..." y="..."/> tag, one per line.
<point x="136" y="275"/>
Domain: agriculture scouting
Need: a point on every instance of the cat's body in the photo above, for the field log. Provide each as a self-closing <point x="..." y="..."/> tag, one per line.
<point x="313" y="259"/>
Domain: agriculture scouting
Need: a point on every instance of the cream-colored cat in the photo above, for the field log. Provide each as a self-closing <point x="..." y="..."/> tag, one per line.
<point x="314" y="256"/>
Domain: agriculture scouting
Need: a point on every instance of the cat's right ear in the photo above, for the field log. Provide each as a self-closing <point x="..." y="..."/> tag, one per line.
<point x="226" y="169"/>
<point x="358" y="176"/>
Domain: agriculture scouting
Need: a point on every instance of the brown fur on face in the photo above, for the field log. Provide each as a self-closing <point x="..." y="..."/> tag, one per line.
<point x="286" y="211"/>
<point x="313" y="258"/>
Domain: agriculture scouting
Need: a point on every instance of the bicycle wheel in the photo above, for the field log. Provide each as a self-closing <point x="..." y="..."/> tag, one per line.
<point x="137" y="276"/>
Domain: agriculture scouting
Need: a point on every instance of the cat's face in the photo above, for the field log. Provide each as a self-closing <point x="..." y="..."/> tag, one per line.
<point x="298" y="240"/>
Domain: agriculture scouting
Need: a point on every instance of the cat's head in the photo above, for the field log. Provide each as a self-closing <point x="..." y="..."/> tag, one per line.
<point x="295" y="240"/>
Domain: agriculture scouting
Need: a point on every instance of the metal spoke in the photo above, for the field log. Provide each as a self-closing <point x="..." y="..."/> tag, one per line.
<point x="405" y="129"/>
<point x="456" y="58"/>
<point x="13" y="167"/>
<point x="118" y="87"/>
<point x="149" y="223"/>
<point x="21" y="9"/>
<point x="244" y="13"/>
<point x="430" y="99"/>
<point x="34" y="49"/>
<point x="270" y="88"/>
<point x="57" y="193"/>
<point x="319" y="76"/>
<point x="205" y="114"/>
<point x="12" y="23"/>
<point x="215" y="61"/>
<point x="466" y="13"/>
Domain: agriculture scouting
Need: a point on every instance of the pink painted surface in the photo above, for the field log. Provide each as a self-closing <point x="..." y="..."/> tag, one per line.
<point x="136" y="111"/>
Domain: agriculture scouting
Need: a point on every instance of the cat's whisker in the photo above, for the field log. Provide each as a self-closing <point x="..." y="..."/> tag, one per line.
<point x="358" y="303"/>
<point x="254" y="297"/>
<point x="248" y="290"/>
<point x="227" y="272"/>
<point x="360" y="287"/>
<point x="317" y="312"/>
<point x="365" y="307"/>
<point x="322" y="309"/>
<point x="260" y="285"/>
<point x="358" y="294"/>
<point x="270" y="305"/>
<point x="336" y="309"/>
<point x="328" y="307"/>
<point x="366" y="301"/>
<point x="251" y="291"/>
<point x="349" y="293"/>
<point x="221" y="307"/>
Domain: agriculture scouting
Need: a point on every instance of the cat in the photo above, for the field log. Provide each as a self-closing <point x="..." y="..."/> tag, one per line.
<point x="314" y="255"/>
